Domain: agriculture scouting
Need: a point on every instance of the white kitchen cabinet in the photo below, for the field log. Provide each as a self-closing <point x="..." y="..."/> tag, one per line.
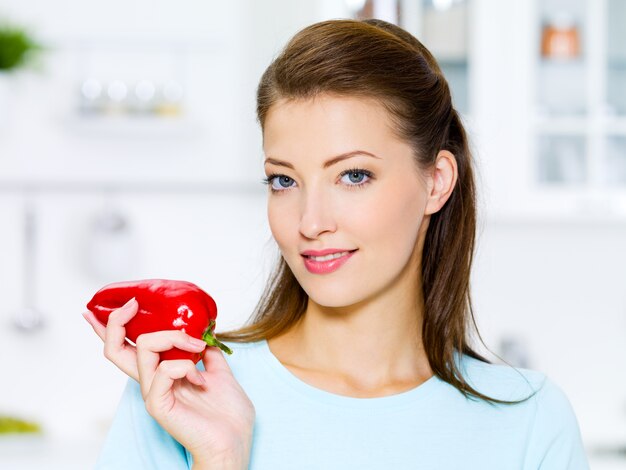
<point x="548" y="131"/>
<point x="578" y="120"/>
<point x="571" y="154"/>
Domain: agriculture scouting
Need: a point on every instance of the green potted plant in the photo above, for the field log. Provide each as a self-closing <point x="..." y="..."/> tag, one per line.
<point x="16" y="47"/>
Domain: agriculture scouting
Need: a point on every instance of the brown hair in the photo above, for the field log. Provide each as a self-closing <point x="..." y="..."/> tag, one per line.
<point x="375" y="59"/>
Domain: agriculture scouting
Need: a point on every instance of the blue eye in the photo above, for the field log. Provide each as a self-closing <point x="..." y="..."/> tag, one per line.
<point x="282" y="179"/>
<point x="356" y="176"/>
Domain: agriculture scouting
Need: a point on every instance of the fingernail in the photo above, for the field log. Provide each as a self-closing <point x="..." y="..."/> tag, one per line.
<point x="129" y="303"/>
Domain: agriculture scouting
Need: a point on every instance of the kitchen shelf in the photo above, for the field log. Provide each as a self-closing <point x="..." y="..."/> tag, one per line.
<point x="134" y="126"/>
<point x="191" y="187"/>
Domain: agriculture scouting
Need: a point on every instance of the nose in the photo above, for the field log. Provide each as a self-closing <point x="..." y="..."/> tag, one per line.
<point x="316" y="216"/>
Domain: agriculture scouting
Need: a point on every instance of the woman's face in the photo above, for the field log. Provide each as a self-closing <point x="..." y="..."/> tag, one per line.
<point x="370" y="202"/>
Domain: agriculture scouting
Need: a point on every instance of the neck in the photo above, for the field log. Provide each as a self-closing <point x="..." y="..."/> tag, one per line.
<point x="372" y="344"/>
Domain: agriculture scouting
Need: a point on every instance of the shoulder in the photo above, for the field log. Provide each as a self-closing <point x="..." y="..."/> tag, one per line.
<point x="554" y="412"/>
<point x="512" y="383"/>
<point x="553" y="434"/>
<point x="502" y="381"/>
<point x="555" y="440"/>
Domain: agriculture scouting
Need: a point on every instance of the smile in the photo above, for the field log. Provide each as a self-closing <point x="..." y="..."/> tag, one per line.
<point x="328" y="263"/>
<point x="328" y="257"/>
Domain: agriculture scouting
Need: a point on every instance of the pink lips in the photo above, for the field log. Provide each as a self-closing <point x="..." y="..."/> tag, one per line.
<point x="324" y="267"/>
<point x="327" y="251"/>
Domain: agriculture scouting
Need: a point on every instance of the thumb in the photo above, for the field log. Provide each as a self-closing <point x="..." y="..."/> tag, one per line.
<point x="214" y="360"/>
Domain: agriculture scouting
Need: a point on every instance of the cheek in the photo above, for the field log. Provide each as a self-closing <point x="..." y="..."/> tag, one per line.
<point x="390" y="221"/>
<point x="281" y="222"/>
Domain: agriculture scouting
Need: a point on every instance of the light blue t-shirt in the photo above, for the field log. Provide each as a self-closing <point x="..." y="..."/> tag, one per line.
<point x="432" y="426"/>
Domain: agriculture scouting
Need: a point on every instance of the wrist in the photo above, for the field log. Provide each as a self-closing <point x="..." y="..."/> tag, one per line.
<point x="234" y="459"/>
<point x="220" y="466"/>
<point x="224" y="463"/>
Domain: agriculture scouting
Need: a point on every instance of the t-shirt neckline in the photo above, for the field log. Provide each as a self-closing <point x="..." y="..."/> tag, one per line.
<point x="420" y="392"/>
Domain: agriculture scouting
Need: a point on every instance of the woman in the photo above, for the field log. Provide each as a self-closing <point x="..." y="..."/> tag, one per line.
<point x="358" y="355"/>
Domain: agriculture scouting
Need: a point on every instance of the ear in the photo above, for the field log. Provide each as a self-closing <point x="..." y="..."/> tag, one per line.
<point x="441" y="181"/>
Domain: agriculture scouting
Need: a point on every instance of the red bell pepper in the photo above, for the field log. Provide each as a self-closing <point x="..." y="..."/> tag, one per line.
<point x="162" y="305"/>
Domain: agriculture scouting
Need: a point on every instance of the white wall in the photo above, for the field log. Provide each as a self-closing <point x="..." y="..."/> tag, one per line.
<point x="559" y="288"/>
<point x="216" y="241"/>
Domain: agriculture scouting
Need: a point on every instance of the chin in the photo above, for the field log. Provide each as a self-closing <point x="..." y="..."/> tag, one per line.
<point x="333" y="290"/>
<point x="329" y="293"/>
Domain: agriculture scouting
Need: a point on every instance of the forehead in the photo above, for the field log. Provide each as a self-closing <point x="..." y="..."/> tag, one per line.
<point x="326" y="124"/>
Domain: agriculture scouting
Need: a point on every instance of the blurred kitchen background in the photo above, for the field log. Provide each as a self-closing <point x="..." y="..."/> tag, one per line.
<point x="129" y="149"/>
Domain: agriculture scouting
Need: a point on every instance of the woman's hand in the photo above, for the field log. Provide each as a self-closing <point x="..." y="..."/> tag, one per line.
<point x="206" y="411"/>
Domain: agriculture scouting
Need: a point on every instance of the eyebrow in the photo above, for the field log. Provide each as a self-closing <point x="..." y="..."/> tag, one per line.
<point x="328" y="163"/>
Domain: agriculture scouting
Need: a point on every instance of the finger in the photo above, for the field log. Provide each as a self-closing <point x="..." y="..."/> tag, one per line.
<point x="98" y="327"/>
<point x="149" y="345"/>
<point x="116" y="349"/>
<point x="167" y="372"/>
<point x="214" y="360"/>
<point x="119" y="317"/>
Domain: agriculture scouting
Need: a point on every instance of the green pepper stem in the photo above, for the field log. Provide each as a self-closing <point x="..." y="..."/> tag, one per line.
<point x="213" y="341"/>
